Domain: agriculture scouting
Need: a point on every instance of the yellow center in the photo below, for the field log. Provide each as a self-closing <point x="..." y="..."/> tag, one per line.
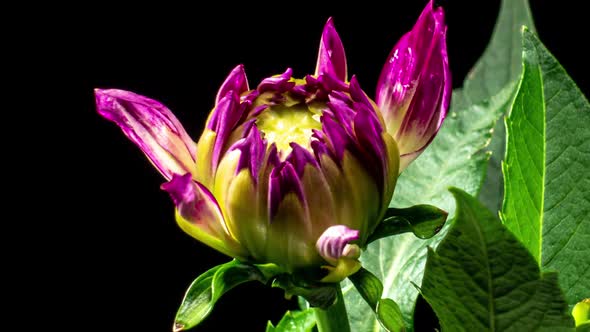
<point x="282" y="124"/>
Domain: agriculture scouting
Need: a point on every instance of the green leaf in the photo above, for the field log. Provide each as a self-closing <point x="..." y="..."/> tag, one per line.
<point x="390" y="315"/>
<point x="481" y="278"/>
<point x="456" y="157"/>
<point x="501" y="62"/>
<point x="368" y="286"/>
<point x="196" y="302"/>
<point x="499" y="65"/>
<point x="425" y="221"/>
<point x="547" y="170"/>
<point x="371" y="289"/>
<point x="208" y="288"/>
<point x="294" y="321"/>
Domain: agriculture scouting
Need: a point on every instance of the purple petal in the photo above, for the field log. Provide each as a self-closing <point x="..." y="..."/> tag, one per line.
<point x="340" y="96"/>
<point x="429" y="106"/>
<point x="301" y="91"/>
<point x="336" y="136"/>
<point x="330" y="83"/>
<point x="236" y="81"/>
<point x="331" y="244"/>
<point x="279" y="83"/>
<point x="398" y="78"/>
<point x="299" y="157"/>
<point x="357" y="94"/>
<point x="319" y="149"/>
<point x="152" y="127"/>
<point x="273" y="155"/>
<point x="250" y="96"/>
<point x="414" y="89"/>
<point x="331" y="57"/>
<point x="252" y="149"/>
<point x="342" y="111"/>
<point x="367" y="125"/>
<point x="368" y="131"/>
<point x="224" y="119"/>
<point x="283" y="180"/>
<point x="318" y="134"/>
<point x="194" y="202"/>
<point x="248" y="125"/>
<point x="311" y="81"/>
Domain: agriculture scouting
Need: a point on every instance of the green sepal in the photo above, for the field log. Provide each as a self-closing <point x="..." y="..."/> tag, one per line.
<point x="386" y="311"/>
<point x="425" y="221"/>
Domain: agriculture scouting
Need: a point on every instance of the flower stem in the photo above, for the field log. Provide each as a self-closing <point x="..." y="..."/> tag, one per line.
<point x="334" y="318"/>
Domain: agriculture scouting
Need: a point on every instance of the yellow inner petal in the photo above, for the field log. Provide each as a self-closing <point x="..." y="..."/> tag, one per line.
<point x="282" y="125"/>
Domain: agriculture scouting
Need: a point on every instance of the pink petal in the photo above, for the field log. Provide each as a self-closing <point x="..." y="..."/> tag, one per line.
<point x="151" y="126"/>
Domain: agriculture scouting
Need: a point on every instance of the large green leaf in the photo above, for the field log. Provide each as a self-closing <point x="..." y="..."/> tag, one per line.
<point x="481" y="278"/>
<point x="457" y="157"/>
<point x="501" y="62"/>
<point x="499" y="65"/>
<point x="547" y="170"/>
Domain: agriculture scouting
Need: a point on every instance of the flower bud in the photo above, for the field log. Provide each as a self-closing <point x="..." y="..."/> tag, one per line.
<point x="414" y="89"/>
<point x="296" y="172"/>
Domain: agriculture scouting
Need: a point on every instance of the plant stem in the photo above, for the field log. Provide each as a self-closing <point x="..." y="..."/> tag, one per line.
<point x="334" y="318"/>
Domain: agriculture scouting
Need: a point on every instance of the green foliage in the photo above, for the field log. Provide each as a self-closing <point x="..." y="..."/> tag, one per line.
<point x="456" y="157"/>
<point x="386" y="310"/>
<point x="294" y="321"/>
<point x="481" y="278"/>
<point x="210" y="286"/>
<point x="425" y="221"/>
<point x="547" y="170"/>
<point x="499" y="66"/>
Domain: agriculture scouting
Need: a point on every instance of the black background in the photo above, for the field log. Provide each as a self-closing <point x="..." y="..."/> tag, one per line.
<point x="123" y="262"/>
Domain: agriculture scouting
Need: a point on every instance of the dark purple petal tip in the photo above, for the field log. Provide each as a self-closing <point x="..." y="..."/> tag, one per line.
<point x="283" y="180"/>
<point x="358" y="94"/>
<point x="410" y="56"/>
<point x="299" y="157"/>
<point x="336" y="136"/>
<point x="331" y="57"/>
<point x="224" y="119"/>
<point x="235" y="81"/>
<point x="279" y="83"/>
<point x="252" y="148"/>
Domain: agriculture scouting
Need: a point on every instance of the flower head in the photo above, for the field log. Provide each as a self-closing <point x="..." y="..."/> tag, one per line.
<point x="295" y="172"/>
